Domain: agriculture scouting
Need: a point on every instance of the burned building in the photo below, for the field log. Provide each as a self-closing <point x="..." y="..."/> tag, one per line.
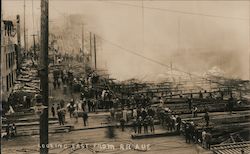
<point x="8" y="59"/>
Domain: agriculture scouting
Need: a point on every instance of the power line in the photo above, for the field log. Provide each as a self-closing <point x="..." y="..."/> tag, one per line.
<point x="181" y="12"/>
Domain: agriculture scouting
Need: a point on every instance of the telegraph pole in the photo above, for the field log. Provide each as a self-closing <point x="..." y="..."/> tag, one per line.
<point x="95" y="50"/>
<point x="83" y="42"/>
<point x="82" y="37"/>
<point x="34" y="44"/>
<point x="44" y="75"/>
<point x="90" y="47"/>
<point x="1" y="70"/>
<point x="24" y="27"/>
<point x="18" y="55"/>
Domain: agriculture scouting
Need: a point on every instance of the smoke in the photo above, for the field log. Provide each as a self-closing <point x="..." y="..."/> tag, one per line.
<point x="192" y="43"/>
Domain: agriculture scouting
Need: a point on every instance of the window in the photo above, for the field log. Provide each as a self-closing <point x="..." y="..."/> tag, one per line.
<point x="12" y="78"/>
<point x="9" y="57"/>
<point x="6" y="60"/>
<point x="7" y="82"/>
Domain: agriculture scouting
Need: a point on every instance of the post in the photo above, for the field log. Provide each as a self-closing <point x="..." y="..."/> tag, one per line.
<point x="90" y="47"/>
<point x="1" y="70"/>
<point x="44" y="75"/>
<point x="18" y="53"/>
<point x="83" y="44"/>
<point x="82" y="38"/>
<point x="95" y="51"/>
<point x="24" y="27"/>
<point x="34" y="46"/>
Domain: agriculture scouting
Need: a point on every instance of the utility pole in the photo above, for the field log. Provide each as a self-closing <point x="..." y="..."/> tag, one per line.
<point x="1" y="69"/>
<point x="90" y="48"/>
<point x="27" y="41"/>
<point x="83" y="42"/>
<point x="34" y="45"/>
<point x="18" y="54"/>
<point x="82" y="37"/>
<point x="24" y="27"/>
<point x="95" y="51"/>
<point x="44" y="75"/>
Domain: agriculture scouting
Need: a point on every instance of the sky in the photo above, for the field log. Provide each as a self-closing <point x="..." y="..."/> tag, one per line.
<point x="142" y="39"/>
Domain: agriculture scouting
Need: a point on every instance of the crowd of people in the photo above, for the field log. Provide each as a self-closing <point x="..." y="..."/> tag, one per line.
<point x="133" y="109"/>
<point x="195" y="135"/>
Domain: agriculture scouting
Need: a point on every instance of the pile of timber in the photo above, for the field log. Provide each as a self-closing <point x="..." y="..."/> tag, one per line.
<point x="231" y="148"/>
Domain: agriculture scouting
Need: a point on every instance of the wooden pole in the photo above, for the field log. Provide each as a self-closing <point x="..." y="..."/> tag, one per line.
<point x="34" y="45"/>
<point x="95" y="51"/>
<point x="18" y="53"/>
<point x="24" y="27"/>
<point x="82" y="38"/>
<point x="1" y="99"/>
<point x="83" y="44"/>
<point x="90" y="48"/>
<point x="44" y="75"/>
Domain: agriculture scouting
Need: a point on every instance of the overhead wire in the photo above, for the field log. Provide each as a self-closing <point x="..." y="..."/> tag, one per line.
<point x="180" y="12"/>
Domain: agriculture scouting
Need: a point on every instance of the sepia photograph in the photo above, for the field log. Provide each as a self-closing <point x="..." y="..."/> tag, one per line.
<point x="125" y="76"/>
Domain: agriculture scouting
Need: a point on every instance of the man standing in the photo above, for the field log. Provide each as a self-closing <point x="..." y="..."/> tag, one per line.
<point x="124" y="115"/>
<point x="122" y="121"/>
<point x="134" y="125"/>
<point x="112" y="113"/>
<point x="206" y="117"/>
<point x="60" y="117"/>
<point x="8" y="130"/>
<point x="151" y="124"/>
<point x="85" y="118"/>
<point x="134" y="112"/>
<point x="195" y="110"/>
<point x="139" y="124"/>
<point x="53" y="110"/>
<point x="230" y="104"/>
<point x="203" y="135"/>
<point x="178" y="121"/>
